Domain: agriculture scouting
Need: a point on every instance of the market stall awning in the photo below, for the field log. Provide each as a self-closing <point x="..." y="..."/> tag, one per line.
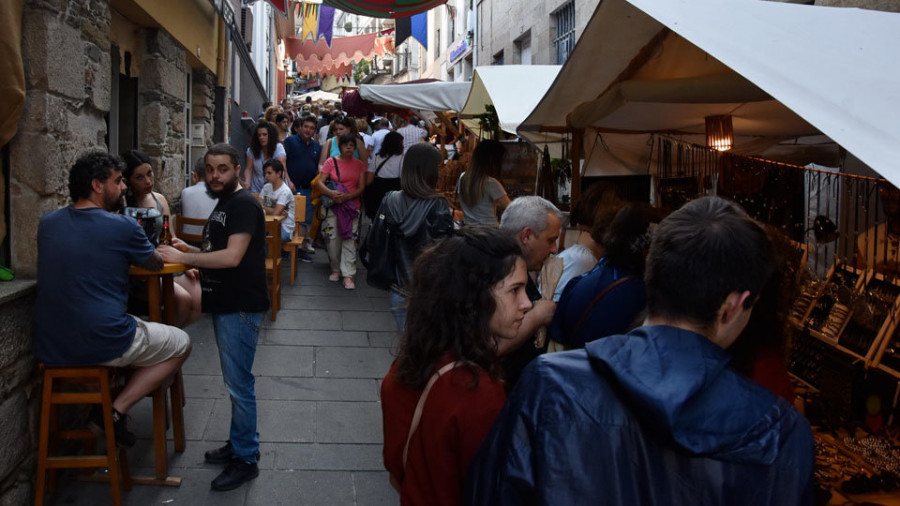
<point x="432" y="96"/>
<point x="317" y="95"/>
<point x="513" y="90"/>
<point x="780" y="70"/>
<point x="384" y="8"/>
<point x="317" y="57"/>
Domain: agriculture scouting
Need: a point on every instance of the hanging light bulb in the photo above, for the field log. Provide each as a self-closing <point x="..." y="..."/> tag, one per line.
<point x="719" y="133"/>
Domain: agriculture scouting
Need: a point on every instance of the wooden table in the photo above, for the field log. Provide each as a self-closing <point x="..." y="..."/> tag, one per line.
<point x="163" y="311"/>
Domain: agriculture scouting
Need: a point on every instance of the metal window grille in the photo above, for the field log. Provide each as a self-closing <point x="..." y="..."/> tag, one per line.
<point x="565" y="32"/>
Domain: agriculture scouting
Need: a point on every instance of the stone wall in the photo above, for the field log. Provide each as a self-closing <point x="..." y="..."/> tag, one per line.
<point x="162" y="90"/>
<point x="19" y="395"/>
<point x="203" y="105"/>
<point x="65" y="48"/>
<point x="878" y="5"/>
<point x="503" y="23"/>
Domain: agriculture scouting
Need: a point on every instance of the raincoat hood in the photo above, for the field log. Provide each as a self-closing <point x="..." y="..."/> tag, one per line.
<point x="669" y="377"/>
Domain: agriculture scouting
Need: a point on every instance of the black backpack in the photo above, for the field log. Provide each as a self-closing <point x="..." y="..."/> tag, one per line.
<point x="379" y="251"/>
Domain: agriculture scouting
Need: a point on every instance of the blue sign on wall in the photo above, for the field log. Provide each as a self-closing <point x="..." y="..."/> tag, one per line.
<point x="458" y="49"/>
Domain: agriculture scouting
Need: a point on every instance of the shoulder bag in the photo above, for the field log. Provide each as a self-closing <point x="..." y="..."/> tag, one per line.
<point x="420" y="406"/>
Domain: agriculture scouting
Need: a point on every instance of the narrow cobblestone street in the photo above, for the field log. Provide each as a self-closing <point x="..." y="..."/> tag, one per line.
<point x="318" y="370"/>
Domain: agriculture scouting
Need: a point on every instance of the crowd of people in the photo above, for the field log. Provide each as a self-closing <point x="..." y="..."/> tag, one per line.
<point x="610" y="381"/>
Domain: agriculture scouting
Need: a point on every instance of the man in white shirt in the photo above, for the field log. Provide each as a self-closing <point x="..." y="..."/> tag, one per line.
<point x="382" y="128"/>
<point x="195" y="199"/>
<point x="411" y="133"/>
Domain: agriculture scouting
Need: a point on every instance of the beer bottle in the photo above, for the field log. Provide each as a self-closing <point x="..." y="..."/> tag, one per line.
<point x="165" y="237"/>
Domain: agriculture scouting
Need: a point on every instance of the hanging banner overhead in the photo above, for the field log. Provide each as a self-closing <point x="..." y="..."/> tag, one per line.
<point x="413" y="26"/>
<point x="385" y="8"/>
<point x="317" y="57"/>
<point x="310" y="16"/>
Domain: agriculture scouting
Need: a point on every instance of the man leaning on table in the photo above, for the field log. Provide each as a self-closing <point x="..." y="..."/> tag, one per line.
<point x="84" y="252"/>
<point x="233" y="281"/>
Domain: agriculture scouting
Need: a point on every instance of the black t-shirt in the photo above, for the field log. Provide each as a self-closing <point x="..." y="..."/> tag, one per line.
<point x="515" y="362"/>
<point x="241" y="288"/>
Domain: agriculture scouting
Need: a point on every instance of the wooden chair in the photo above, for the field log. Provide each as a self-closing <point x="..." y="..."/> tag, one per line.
<point x="51" y="399"/>
<point x="273" y="264"/>
<point x="293" y="246"/>
<point x="181" y="221"/>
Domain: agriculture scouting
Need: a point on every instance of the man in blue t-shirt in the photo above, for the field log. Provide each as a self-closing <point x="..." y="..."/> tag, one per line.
<point x="84" y="252"/>
<point x="303" y="166"/>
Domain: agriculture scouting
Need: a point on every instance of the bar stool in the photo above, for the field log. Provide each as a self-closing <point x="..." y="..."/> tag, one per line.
<point x="50" y="402"/>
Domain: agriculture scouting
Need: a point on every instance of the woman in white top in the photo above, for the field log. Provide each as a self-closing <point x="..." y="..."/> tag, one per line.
<point x="481" y="195"/>
<point x="277" y="198"/>
<point x="264" y="146"/>
<point x="383" y="174"/>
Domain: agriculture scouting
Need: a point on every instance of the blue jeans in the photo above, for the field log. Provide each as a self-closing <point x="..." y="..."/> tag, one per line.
<point x="398" y="308"/>
<point x="236" y="336"/>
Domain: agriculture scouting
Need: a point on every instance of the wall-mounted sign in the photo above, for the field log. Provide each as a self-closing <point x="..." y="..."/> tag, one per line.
<point x="458" y="49"/>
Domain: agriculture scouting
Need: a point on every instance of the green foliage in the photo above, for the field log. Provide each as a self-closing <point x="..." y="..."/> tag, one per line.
<point x="361" y="70"/>
<point x="489" y="122"/>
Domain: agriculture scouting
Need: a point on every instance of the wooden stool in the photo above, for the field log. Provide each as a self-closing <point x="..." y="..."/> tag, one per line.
<point x="50" y="401"/>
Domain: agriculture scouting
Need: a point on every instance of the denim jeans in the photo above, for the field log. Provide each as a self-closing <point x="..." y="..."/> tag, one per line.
<point x="398" y="308"/>
<point x="236" y="336"/>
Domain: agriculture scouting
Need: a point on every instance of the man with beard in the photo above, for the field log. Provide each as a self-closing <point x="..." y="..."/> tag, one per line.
<point x="84" y="251"/>
<point x="233" y="280"/>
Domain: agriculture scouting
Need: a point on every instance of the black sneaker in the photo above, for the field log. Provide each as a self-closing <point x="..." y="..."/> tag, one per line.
<point x="235" y="474"/>
<point x="222" y="455"/>
<point x="123" y="436"/>
<point x="304" y="257"/>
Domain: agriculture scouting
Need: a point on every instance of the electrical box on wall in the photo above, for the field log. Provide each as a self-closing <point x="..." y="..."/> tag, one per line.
<point x="198" y="134"/>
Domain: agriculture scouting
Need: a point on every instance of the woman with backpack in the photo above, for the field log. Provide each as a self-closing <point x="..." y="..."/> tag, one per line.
<point x="405" y="222"/>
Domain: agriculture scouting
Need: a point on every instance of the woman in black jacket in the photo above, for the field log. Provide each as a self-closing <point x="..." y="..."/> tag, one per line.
<point x="405" y="222"/>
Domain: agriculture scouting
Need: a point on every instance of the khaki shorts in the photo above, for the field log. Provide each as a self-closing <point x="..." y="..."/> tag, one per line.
<point x="153" y="343"/>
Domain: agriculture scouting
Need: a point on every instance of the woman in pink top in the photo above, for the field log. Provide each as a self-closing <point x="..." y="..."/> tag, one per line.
<point x="341" y="223"/>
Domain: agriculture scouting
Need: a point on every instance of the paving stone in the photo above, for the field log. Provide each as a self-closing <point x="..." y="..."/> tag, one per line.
<point x="278" y="421"/>
<point x="315" y="338"/>
<point x="194" y="490"/>
<point x="283" y="361"/>
<point x="305" y="319"/>
<point x="329" y="289"/>
<point x="353" y="362"/>
<point x="317" y="389"/>
<point x="381" y="303"/>
<point x="348" y="422"/>
<point x="192" y="457"/>
<point x="204" y="359"/>
<point x="374" y="489"/>
<point x="203" y="386"/>
<point x="196" y="415"/>
<point x="368" y="320"/>
<point x="328" y="302"/>
<point x="385" y="340"/>
<point x="334" y="457"/>
<point x="300" y="488"/>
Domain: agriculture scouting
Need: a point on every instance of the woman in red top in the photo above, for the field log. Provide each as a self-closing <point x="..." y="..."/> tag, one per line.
<point x="467" y="301"/>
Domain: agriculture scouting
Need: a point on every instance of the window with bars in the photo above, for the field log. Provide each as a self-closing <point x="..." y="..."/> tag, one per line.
<point x="565" y="32"/>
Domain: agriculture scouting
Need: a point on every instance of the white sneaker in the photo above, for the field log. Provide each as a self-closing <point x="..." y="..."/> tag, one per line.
<point x="308" y="247"/>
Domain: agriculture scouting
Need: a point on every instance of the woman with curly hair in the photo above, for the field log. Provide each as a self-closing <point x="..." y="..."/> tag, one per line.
<point x="264" y="146"/>
<point x="467" y="301"/>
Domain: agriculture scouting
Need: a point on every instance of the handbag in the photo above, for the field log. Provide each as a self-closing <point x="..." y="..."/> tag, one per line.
<point x="325" y="199"/>
<point x="376" y="191"/>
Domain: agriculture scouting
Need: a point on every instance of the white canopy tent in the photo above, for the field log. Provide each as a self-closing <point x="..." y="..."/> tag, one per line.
<point x="782" y="71"/>
<point x="513" y="90"/>
<point x="433" y="96"/>
<point x="319" y="95"/>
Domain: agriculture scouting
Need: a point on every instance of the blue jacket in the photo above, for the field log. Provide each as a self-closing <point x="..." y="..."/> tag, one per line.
<point x="652" y="417"/>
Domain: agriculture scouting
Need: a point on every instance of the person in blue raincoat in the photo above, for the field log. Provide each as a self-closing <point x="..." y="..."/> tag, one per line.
<point x="657" y="416"/>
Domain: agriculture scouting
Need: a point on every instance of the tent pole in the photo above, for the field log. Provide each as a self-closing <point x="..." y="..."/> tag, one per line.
<point x="577" y="146"/>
